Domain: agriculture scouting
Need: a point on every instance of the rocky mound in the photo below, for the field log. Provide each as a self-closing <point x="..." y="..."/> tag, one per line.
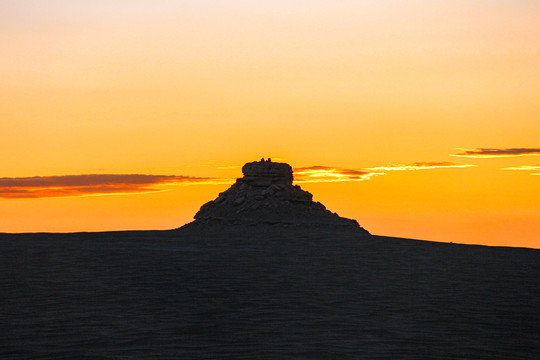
<point x="266" y="196"/>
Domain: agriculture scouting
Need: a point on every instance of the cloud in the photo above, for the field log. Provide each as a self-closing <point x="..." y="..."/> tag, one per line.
<point x="93" y="184"/>
<point x="428" y="165"/>
<point x="524" y="167"/>
<point x="495" y="153"/>
<point x="123" y="184"/>
<point x="318" y="173"/>
<point x="334" y="174"/>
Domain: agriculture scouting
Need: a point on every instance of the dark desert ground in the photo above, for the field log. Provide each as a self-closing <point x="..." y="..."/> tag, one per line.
<point x="265" y="273"/>
<point x="267" y="294"/>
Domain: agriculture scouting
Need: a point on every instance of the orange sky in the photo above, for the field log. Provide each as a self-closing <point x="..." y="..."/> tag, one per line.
<point x="182" y="93"/>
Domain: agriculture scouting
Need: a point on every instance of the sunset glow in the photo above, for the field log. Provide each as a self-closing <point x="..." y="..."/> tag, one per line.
<point x="423" y="166"/>
<point x="330" y="174"/>
<point x="369" y="101"/>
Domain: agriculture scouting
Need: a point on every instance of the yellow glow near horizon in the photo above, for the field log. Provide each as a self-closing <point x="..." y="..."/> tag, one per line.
<point x="198" y="88"/>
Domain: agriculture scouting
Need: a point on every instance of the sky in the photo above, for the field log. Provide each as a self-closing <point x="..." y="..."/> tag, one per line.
<point x="419" y="119"/>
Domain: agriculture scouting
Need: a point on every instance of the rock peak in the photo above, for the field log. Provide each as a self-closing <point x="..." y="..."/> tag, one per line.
<point x="266" y="173"/>
<point x="265" y="195"/>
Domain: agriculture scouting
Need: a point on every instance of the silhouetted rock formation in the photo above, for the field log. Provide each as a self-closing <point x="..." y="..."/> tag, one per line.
<point x="266" y="196"/>
<point x="266" y="173"/>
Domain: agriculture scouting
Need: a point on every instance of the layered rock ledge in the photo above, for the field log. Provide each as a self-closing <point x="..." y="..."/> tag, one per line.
<point x="265" y="195"/>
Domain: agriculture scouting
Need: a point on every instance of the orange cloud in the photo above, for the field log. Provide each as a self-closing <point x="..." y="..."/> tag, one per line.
<point x="423" y="166"/>
<point x="331" y="174"/>
<point x="497" y="153"/>
<point x="93" y="184"/>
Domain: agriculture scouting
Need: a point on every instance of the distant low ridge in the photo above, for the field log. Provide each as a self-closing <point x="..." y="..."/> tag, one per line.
<point x="265" y="195"/>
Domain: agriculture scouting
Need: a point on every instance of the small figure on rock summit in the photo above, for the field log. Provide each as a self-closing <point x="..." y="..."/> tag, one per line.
<point x="265" y="195"/>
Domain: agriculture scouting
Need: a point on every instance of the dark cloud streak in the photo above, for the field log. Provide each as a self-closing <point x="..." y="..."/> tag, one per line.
<point x="92" y="184"/>
<point x="494" y="153"/>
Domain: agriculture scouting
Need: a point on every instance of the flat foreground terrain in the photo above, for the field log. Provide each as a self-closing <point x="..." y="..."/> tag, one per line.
<point x="271" y="295"/>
